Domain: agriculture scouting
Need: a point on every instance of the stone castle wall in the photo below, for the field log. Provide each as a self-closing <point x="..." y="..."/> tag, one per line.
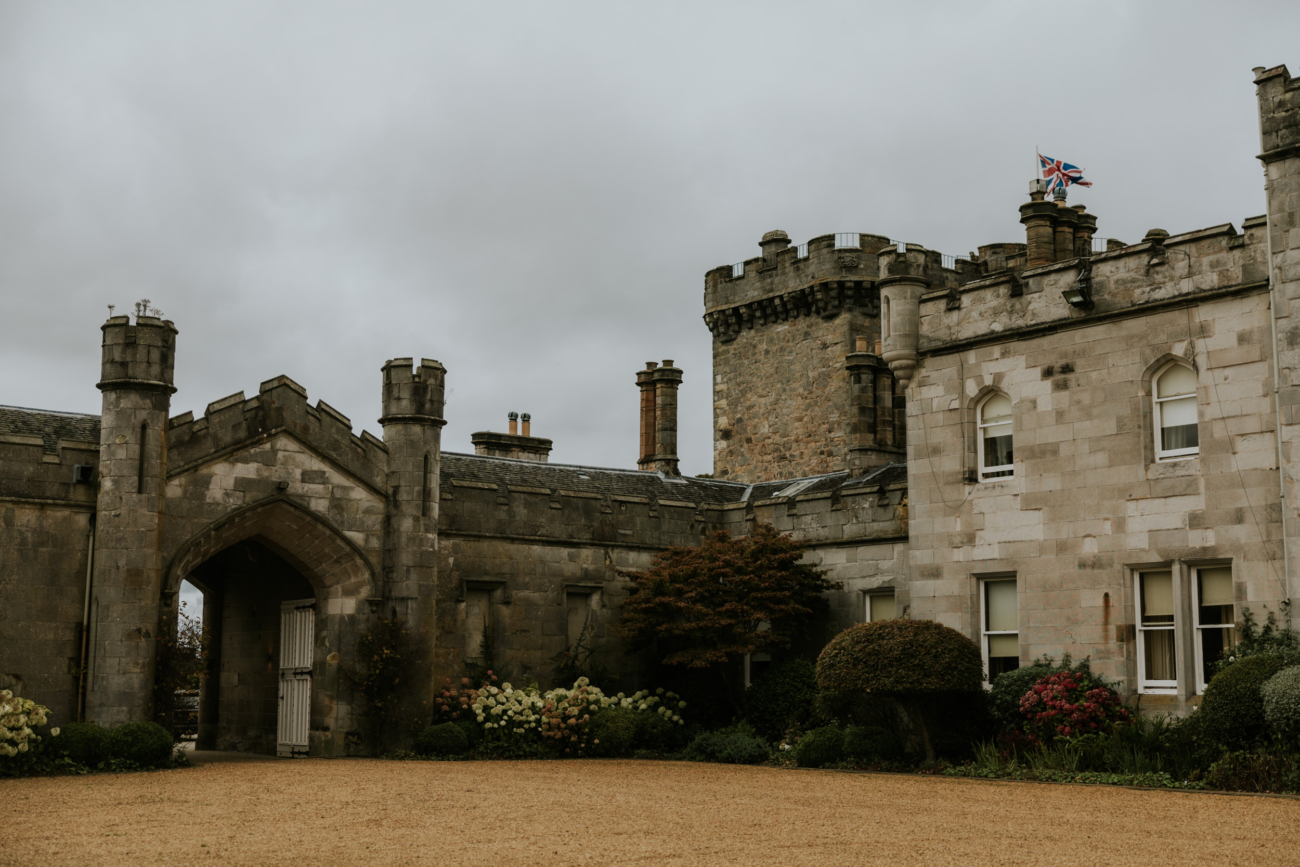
<point x="1088" y="505"/>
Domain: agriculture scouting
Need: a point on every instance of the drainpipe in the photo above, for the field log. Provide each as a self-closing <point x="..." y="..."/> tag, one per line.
<point x="1277" y="407"/>
<point x="85" y="625"/>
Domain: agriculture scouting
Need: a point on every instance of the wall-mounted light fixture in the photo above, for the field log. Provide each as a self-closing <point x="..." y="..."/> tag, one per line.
<point x="1080" y="294"/>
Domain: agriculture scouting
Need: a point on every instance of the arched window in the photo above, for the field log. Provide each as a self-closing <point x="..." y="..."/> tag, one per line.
<point x="1175" y="413"/>
<point x="993" y="419"/>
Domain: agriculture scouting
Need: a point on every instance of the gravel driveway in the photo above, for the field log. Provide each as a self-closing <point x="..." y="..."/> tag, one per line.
<point x="347" y="811"/>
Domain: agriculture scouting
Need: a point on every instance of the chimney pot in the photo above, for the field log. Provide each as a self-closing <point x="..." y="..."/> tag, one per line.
<point x="861" y="345"/>
<point x="514" y="422"/>
<point x="668" y="362"/>
<point x="651" y="365"/>
<point x="527" y="420"/>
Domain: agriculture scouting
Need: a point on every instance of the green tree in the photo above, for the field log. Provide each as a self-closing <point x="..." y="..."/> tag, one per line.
<point x="709" y="605"/>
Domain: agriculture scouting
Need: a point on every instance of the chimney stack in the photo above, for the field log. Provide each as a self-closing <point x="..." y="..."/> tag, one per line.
<point x="520" y="447"/>
<point x="659" y="417"/>
<point x="1039" y="217"/>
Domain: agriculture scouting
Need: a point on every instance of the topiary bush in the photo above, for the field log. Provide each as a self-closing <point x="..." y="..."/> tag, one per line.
<point x="1281" y="698"/>
<point x="613" y="732"/>
<point x="820" y="747"/>
<point x="782" y="698"/>
<point x="145" y="744"/>
<point x="912" y="663"/>
<point x="1232" y="711"/>
<point x="85" y="743"/>
<point x="443" y="739"/>
<point x="871" y="744"/>
<point x="728" y="747"/>
<point x="472" y="732"/>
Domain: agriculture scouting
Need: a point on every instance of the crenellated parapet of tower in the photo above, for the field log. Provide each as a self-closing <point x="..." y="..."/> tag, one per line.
<point x="829" y="275"/>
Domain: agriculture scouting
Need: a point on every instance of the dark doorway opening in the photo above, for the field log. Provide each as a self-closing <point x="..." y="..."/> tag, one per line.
<point x="244" y="587"/>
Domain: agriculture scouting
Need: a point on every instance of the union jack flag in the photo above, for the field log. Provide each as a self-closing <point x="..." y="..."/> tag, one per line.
<point x="1061" y="174"/>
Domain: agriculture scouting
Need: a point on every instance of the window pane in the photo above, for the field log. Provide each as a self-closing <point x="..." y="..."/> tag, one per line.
<point x="1002" y="664"/>
<point x="1174" y="413"/>
<point x="1157" y="598"/>
<point x="996" y="409"/>
<point x="1215" y="644"/>
<point x="1004" y="645"/>
<point x="1176" y="380"/>
<point x="881" y="607"/>
<point x="1182" y="437"/>
<point x="1159" y="646"/>
<point x="1000" y="606"/>
<point x="1215" y="586"/>
<point x="997" y="450"/>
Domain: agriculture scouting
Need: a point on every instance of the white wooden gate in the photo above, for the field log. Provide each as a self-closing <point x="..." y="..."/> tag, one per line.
<point x="297" y="636"/>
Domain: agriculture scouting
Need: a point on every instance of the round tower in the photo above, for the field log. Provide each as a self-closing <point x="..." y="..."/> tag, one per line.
<point x="412" y="420"/>
<point x="136" y="382"/>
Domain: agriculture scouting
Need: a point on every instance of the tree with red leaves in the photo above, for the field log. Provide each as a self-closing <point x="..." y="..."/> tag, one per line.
<point x="706" y="606"/>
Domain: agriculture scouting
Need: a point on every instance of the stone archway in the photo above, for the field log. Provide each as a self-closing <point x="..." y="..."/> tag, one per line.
<point x="333" y="563"/>
<point x="248" y="566"/>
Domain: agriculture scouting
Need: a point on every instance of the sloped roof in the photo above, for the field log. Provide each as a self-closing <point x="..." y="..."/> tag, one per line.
<point x="50" y="425"/>
<point x="653" y="486"/>
<point x="587" y="480"/>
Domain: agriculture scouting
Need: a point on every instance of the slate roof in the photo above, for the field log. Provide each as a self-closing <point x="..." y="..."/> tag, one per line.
<point x="587" y="480"/>
<point x="653" y="486"/>
<point x="49" y="425"/>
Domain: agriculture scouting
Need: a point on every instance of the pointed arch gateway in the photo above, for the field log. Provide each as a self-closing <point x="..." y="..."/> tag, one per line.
<point x="278" y="582"/>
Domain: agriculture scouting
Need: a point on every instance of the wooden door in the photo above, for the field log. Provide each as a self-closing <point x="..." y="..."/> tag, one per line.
<point x="297" y="637"/>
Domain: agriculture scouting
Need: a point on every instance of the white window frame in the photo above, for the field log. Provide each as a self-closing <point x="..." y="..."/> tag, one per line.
<point x="1157" y="421"/>
<point x="1196" y="618"/>
<point x="1155" y="687"/>
<point x="1005" y="471"/>
<point x="866" y="603"/>
<point x="985" y="632"/>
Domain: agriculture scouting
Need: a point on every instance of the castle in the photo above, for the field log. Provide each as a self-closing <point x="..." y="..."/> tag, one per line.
<point x="1057" y="445"/>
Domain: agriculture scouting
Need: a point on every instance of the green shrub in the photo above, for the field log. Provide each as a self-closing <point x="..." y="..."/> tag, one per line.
<point x="730" y="747"/>
<point x="871" y="744"/>
<point x="613" y="732"/>
<point x="444" y="739"/>
<point x="1281" y="696"/>
<point x="472" y="732"/>
<point x="782" y="698"/>
<point x="823" y="746"/>
<point x="1232" y="711"/>
<point x="1255" y="771"/>
<point x="85" y="743"/>
<point x="912" y="664"/>
<point x="145" y="744"/>
<point x="657" y="733"/>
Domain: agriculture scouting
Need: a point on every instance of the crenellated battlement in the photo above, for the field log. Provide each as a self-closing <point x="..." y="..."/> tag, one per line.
<point x="281" y="405"/>
<point x="827" y="276"/>
<point x="413" y="393"/>
<point x="1160" y="270"/>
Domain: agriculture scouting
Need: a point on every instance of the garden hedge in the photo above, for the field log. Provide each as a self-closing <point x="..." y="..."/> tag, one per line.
<point x="782" y="698"/>
<point x="820" y="747"/>
<point x="85" y="743"/>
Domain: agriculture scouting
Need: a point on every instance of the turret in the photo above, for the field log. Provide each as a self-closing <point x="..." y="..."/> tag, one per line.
<point x="902" y="282"/>
<point x="136" y="380"/>
<point x="412" y="420"/>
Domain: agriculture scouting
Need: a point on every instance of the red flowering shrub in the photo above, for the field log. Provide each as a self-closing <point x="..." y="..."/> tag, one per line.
<point x="1068" y="705"/>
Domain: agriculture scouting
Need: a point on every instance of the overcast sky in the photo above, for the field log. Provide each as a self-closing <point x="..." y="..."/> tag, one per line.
<point x="532" y="192"/>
